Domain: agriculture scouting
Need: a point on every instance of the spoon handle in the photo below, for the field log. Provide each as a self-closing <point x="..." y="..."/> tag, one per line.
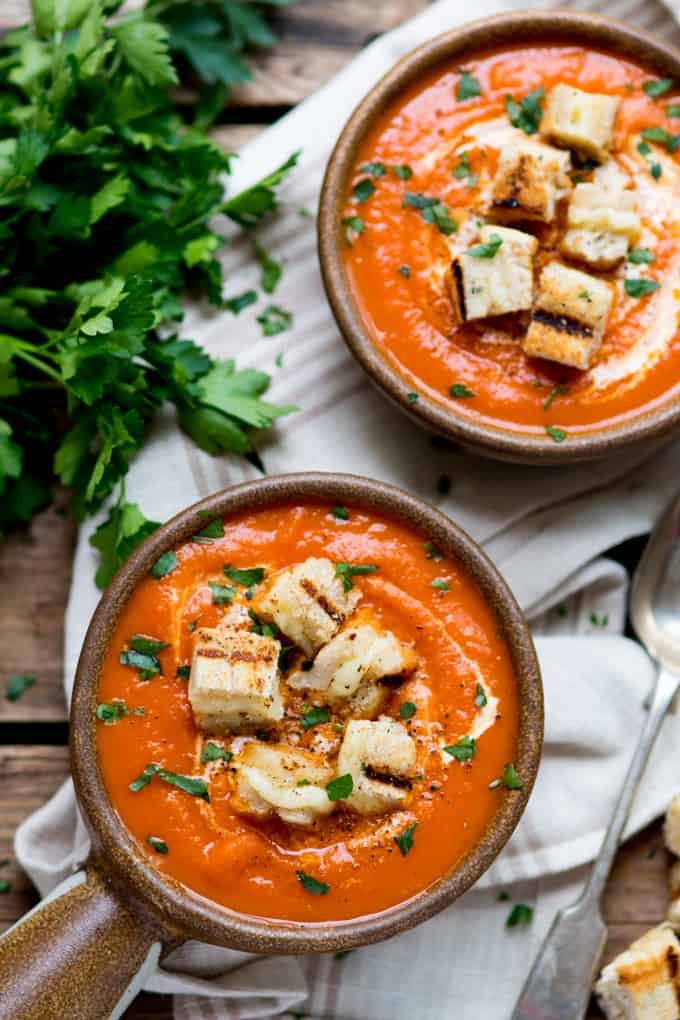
<point x="560" y="981"/>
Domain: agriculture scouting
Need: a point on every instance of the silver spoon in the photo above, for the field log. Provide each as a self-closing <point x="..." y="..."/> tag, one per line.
<point x="560" y="982"/>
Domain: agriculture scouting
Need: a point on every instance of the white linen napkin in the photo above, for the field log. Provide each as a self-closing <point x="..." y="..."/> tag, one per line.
<point x="546" y="529"/>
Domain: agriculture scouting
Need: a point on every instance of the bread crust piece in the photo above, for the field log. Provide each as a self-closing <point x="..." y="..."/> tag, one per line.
<point x="380" y="756"/>
<point x="481" y="287"/>
<point x="580" y="120"/>
<point x="643" y="983"/>
<point x="275" y="779"/>
<point x="307" y="603"/>
<point x="234" y="681"/>
<point x="601" y="225"/>
<point x="530" y="180"/>
<point x="569" y="316"/>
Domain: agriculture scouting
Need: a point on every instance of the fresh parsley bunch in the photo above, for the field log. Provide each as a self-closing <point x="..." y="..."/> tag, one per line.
<point x="106" y="207"/>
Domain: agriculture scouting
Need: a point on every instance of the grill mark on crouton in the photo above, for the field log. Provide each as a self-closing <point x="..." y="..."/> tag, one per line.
<point x="562" y="323"/>
<point x="457" y="273"/>
<point x="672" y="958"/>
<point x="240" y="656"/>
<point x="310" y="588"/>
<point x="386" y="777"/>
<point x="211" y="653"/>
<point x="396" y="680"/>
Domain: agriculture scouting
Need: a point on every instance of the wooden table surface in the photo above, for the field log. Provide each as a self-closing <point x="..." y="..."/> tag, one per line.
<point x="317" y="37"/>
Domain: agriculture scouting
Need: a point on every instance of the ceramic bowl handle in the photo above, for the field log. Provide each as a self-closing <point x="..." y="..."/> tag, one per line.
<point x="82" y="954"/>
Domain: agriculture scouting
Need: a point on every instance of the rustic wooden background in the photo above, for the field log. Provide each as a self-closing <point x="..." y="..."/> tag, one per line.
<point x="317" y="37"/>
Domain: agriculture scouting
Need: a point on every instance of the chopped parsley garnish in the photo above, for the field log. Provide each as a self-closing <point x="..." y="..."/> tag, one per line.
<point x="192" y="625"/>
<point x="657" y="88"/>
<point x="260" y="627"/>
<point x="147" y="645"/>
<point x="278" y="360"/>
<point x="481" y="699"/>
<point x="585" y="296"/>
<point x="463" y="750"/>
<point x="526" y="115"/>
<point x="656" y="170"/>
<point x="486" y="250"/>
<point x="347" y="571"/>
<point x="239" y="302"/>
<point x="405" y="272"/>
<point x="673" y="110"/>
<point x="520" y="914"/>
<point x="303" y="782"/>
<point x="659" y="134"/>
<point x="285" y="656"/>
<point x="312" y="885"/>
<point x="222" y="594"/>
<point x="247" y="577"/>
<point x="412" y="398"/>
<point x="432" y="552"/>
<point x="510" y="779"/>
<point x="640" y="288"/>
<point x="275" y="320"/>
<point x="183" y="672"/>
<point x="353" y="227"/>
<point x="213" y="752"/>
<point x="159" y="845"/>
<point x="374" y="169"/>
<point x="440" y="583"/>
<point x="599" y="621"/>
<point x="432" y="210"/>
<point x="148" y="666"/>
<point x="641" y="256"/>
<point x="195" y="787"/>
<point x="18" y="684"/>
<point x="556" y="434"/>
<point x="5" y="886"/>
<point x="165" y="563"/>
<point x="460" y="391"/>
<point x="340" y="787"/>
<point x="341" y="513"/>
<point x="407" y="710"/>
<point x="111" y="712"/>
<point x="463" y="171"/>
<point x="643" y="148"/>
<point x="405" y="840"/>
<point x="213" y="530"/>
<point x="403" y="172"/>
<point x="503" y="896"/>
<point x="313" y="717"/>
<point x="363" y="189"/>
<point x="468" y="87"/>
<point x="271" y="270"/>
<point x="557" y="391"/>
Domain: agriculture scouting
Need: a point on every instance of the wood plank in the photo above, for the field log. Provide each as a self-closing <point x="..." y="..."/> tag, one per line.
<point x="35" y="574"/>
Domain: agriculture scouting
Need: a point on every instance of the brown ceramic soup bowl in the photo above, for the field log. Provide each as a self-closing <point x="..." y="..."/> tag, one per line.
<point x="80" y="955"/>
<point x="456" y="47"/>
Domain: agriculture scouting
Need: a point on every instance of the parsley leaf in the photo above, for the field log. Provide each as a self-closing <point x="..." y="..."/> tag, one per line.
<point x="340" y="787"/>
<point x="640" y="288"/>
<point x="165" y="564"/>
<point x="657" y="88"/>
<point x="403" y="172"/>
<point x="18" y="684"/>
<point x="363" y="189"/>
<point x="405" y="840"/>
<point x="463" y="750"/>
<point x="486" y="250"/>
<point x="312" y="885"/>
<point x="520" y="914"/>
<point x="222" y="594"/>
<point x="432" y="210"/>
<point x="347" y="571"/>
<point x="341" y="513"/>
<point x="407" y="710"/>
<point x="556" y="434"/>
<point x="247" y="577"/>
<point x="460" y="390"/>
<point x="641" y="256"/>
<point x="159" y="845"/>
<point x="526" y="115"/>
<point x="274" y="320"/>
<point x="510" y="778"/>
<point x="374" y="169"/>
<point x="271" y="270"/>
<point x="213" y="752"/>
<point x="313" y="717"/>
<point x="353" y="227"/>
<point x="468" y="87"/>
<point x="481" y="699"/>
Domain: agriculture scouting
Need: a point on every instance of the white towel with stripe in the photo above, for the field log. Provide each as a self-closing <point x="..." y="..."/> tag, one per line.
<point x="546" y="529"/>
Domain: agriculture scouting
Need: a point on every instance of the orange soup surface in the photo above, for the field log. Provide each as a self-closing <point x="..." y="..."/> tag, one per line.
<point x="430" y="143"/>
<point x="463" y="685"/>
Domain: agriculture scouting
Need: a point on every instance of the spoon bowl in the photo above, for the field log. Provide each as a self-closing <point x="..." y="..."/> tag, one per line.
<point x="655" y="593"/>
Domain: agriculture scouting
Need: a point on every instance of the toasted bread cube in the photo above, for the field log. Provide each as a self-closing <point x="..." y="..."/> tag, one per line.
<point x="580" y="120"/>
<point x="275" y="779"/>
<point x="380" y="757"/>
<point x="569" y="317"/>
<point x="601" y="224"/>
<point x="234" y="681"/>
<point x="494" y="286"/>
<point x="671" y="826"/>
<point x="643" y="983"/>
<point x="530" y="180"/>
<point x="307" y="602"/>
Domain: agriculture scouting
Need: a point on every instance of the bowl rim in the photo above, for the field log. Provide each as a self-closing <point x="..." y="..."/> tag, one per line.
<point x="493" y="440"/>
<point x="182" y="913"/>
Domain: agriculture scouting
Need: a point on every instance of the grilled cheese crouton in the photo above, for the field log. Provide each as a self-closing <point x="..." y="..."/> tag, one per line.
<point x="380" y="757"/>
<point x="234" y="681"/>
<point x="671" y="826"/>
<point x="569" y="317"/>
<point x="580" y="120"/>
<point x="307" y="603"/>
<point x="643" y="983"/>
<point x="494" y="286"/>
<point x="274" y="779"/>
<point x="601" y="225"/>
<point x="530" y="180"/>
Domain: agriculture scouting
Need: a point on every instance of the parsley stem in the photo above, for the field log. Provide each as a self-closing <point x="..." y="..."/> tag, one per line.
<point x="40" y="365"/>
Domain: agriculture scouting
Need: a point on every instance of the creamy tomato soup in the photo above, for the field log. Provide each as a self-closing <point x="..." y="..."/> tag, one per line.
<point x="307" y="713"/>
<point x="527" y="204"/>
